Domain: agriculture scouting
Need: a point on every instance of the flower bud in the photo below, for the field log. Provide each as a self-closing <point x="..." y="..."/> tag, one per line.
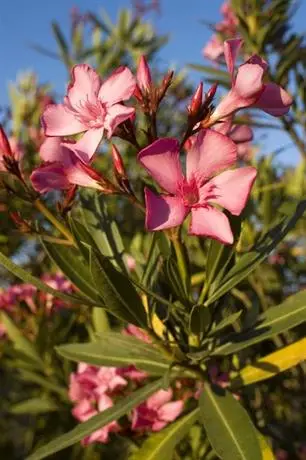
<point x="167" y="80"/>
<point x="196" y="101"/>
<point x="144" y="78"/>
<point x="211" y="93"/>
<point x="118" y="162"/>
<point x="5" y="148"/>
<point x="102" y="183"/>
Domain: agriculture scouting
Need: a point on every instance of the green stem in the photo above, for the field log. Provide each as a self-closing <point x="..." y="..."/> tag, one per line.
<point x="181" y="262"/>
<point x="51" y="218"/>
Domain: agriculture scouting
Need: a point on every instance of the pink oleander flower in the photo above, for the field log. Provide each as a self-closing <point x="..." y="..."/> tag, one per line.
<point x="130" y="262"/>
<point x="90" y="104"/>
<point x="85" y="409"/>
<point x="214" y="48"/>
<point x="66" y="163"/>
<point x="156" y="412"/>
<point x="248" y="88"/>
<point x="90" y="382"/>
<point x="227" y="28"/>
<point x="205" y="185"/>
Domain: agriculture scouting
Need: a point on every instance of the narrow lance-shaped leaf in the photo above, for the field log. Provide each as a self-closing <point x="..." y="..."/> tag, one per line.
<point x="20" y="342"/>
<point x="274" y="321"/>
<point x="271" y="365"/>
<point x="98" y="421"/>
<point x="252" y="259"/>
<point x="227" y="425"/>
<point x="69" y="262"/>
<point x="115" y="349"/>
<point x="160" y="446"/>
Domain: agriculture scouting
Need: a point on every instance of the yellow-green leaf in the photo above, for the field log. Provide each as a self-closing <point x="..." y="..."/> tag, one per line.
<point x="272" y="364"/>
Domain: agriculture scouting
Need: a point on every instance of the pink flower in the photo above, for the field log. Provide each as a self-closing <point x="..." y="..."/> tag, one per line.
<point x="214" y="48"/>
<point x="91" y="382"/>
<point x="203" y="187"/>
<point x="248" y="88"/>
<point x="84" y="410"/>
<point x="91" y="104"/>
<point x="156" y="412"/>
<point x="66" y="163"/>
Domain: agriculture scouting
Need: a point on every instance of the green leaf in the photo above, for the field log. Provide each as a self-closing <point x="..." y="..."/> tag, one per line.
<point x="34" y="406"/>
<point x="160" y="446"/>
<point x="222" y="74"/>
<point x="70" y="263"/>
<point x="21" y="343"/>
<point x="117" y="291"/>
<point x="62" y="44"/>
<point x="228" y="426"/>
<point x="225" y="322"/>
<point x="152" y="265"/>
<point x="28" y="278"/>
<point x="115" y="349"/>
<point x="248" y="262"/>
<point x="102" y="228"/>
<point x="43" y="382"/>
<point x="98" y="421"/>
<point x="275" y="320"/>
<point x="200" y="318"/>
<point x="100" y="320"/>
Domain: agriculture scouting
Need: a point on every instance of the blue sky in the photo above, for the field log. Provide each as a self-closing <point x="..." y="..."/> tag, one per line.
<point x="26" y="22"/>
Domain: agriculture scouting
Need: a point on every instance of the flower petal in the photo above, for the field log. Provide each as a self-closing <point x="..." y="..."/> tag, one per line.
<point x="51" y="149"/>
<point x="116" y="114"/>
<point x="232" y="188"/>
<point x="77" y="175"/>
<point x="119" y="86"/>
<point x="161" y="160"/>
<point x="241" y="133"/>
<point x="274" y="100"/>
<point x="85" y="85"/>
<point x="86" y="147"/>
<point x="57" y="120"/>
<point x="231" y="50"/>
<point x="210" y="153"/>
<point x="163" y="211"/>
<point x="208" y="221"/>
<point x="159" y="398"/>
<point x="49" y="177"/>
<point x="248" y="83"/>
<point x="170" y="411"/>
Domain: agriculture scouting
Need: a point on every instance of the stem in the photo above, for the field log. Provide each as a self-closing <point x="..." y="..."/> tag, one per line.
<point x="181" y="261"/>
<point x="51" y="218"/>
<point x="53" y="239"/>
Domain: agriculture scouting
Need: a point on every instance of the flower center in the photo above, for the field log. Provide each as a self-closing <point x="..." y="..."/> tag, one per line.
<point x="90" y="113"/>
<point x="189" y="192"/>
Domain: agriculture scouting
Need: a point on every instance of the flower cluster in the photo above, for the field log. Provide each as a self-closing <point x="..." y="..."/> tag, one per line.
<point x="12" y="297"/>
<point x="94" y="389"/>
<point x="225" y="29"/>
<point x="213" y="143"/>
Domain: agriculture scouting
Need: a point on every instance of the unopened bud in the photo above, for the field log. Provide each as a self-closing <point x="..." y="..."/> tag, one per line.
<point x="99" y="182"/>
<point x="118" y="162"/>
<point x="22" y="224"/>
<point x="5" y="148"/>
<point x="138" y="93"/>
<point x="211" y="93"/>
<point x="144" y="78"/>
<point x="167" y="80"/>
<point x="196" y="101"/>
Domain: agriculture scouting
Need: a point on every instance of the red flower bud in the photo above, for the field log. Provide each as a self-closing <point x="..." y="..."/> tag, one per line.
<point x="211" y="93"/>
<point x="167" y="80"/>
<point x="5" y="149"/>
<point x="144" y="78"/>
<point x="196" y="101"/>
<point x="118" y="162"/>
